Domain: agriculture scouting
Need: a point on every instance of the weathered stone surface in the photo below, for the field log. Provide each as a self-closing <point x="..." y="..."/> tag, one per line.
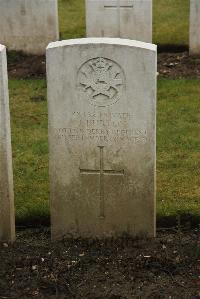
<point x="194" y="27"/>
<point x="28" y="25"/>
<point x="119" y="18"/>
<point x="102" y="107"/>
<point x="7" y="221"/>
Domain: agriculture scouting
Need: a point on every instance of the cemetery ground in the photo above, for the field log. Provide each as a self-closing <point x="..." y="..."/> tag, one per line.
<point x="177" y="150"/>
<point x="124" y="268"/>
<point x="165" y="267"/>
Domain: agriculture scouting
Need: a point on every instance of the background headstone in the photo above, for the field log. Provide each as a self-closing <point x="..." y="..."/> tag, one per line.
<point x="28" y="25"/>
<point x="7" y="218"/>
<point x="195" y="27"/>
<point x="102" y="107"/>
<point x="119" y="18"/>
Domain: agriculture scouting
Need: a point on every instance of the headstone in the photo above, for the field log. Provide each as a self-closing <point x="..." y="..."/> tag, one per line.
<point x="102" y="107"/>
<point x="119" y="18"/>
<point x="195" y="27"/>
<point x="7" y="219"/>
<point x="28" y="25"/>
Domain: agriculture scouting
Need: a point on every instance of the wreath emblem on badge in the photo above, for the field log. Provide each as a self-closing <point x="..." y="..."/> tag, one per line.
<point x="101" y="81"/>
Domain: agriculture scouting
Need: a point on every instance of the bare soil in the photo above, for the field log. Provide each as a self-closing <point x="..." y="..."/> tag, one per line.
<point x="178" y="65"/>
<point x="21" y="66"/>
<point x="170" y="65"/>
<point x="165" y="267"/>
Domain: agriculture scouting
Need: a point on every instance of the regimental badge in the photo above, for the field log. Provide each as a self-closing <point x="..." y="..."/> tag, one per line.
<point x="101" y="81"/>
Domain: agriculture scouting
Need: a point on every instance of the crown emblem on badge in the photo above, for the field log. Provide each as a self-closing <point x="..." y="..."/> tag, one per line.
<point x="100" y="65"/>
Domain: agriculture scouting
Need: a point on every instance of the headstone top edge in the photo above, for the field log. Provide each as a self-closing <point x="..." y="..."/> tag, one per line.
<point x="2" y="47"/>
<point x="103" y="40"/>
<point x="121" y="0"/>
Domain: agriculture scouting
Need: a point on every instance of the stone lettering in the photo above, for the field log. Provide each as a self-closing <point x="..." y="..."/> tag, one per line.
<point x="102" y="103"/>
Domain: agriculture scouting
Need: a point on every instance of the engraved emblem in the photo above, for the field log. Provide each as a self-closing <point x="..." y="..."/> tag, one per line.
<point x="101" y="81"/>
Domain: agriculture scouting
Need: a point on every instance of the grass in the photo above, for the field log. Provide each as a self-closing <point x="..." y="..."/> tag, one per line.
<point x="30" y="149"/>
<point x="178" y="158"/>
<point x="170" y="20"/>
<point x="72" y="18"/>
<point x="178" y="155"/>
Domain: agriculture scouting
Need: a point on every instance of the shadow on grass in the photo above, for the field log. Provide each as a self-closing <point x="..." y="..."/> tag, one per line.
<point x="169" y="48"/>
<point x="186" y="220"/>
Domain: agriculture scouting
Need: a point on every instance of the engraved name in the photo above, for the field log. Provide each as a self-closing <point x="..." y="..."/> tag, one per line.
<point x="101" y="127"/>
<point x="135" y="135"/>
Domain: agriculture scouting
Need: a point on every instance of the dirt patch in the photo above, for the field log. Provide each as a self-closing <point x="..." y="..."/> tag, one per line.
<point x="170" y="65"/>
<point x="178" y="65"/>
<point x="165" y="267"/>
<point x="21" y="66"/>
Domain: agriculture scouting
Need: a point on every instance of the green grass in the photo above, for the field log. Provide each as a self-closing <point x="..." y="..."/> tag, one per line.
<point x="178" y="155"/>
<point x="178" y="147"/>
<point x="30" y="148"/>
<point x="170" y="20"/>
<point x="71" y="18"/>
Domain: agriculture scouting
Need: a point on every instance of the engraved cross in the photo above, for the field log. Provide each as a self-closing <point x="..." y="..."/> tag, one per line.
<point x="102" y="172"/>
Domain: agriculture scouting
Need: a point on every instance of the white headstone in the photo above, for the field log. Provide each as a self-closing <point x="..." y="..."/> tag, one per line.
<point x="7" y="219"/>
<point x="102" y="109"/>
<point x="195" y="27"/>
<point x="119" y="18"/>
<point x="28" y="25"/>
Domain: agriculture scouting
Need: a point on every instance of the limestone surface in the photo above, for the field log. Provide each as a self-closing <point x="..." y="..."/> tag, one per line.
<point x="102" y="128"/>
<point x="7" y="219"/>
<point x="28" y="25"/>
<point x="119" y="18"/>
<point x="194" y="27"/>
